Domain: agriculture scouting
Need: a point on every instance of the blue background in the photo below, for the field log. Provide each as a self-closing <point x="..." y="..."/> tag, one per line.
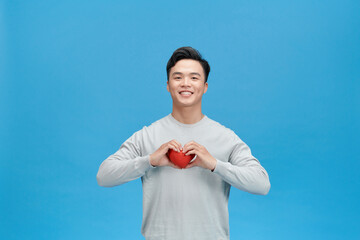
<point x="80" y="77"/>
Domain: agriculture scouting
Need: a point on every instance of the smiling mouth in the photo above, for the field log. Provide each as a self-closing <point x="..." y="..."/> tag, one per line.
<point x="185" y="93"/>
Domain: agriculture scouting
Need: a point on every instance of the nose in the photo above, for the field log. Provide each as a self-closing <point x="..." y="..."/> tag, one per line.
<point x="185" y="82"/>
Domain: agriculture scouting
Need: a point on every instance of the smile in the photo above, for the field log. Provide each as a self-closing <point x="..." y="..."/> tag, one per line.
<point x="185" y="94"/>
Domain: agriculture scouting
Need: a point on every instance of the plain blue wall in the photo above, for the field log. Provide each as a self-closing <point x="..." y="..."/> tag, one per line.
<point x="79" y="77"/>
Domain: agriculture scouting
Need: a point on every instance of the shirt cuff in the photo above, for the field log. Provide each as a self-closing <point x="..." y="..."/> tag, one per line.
<point x="220" y="166"/>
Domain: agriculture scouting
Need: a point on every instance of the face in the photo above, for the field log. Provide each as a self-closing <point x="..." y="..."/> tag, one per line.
<point x="187" y="83"/>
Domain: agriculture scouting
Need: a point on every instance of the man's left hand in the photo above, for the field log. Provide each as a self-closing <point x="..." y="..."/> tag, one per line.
<point x="203" y="158"/>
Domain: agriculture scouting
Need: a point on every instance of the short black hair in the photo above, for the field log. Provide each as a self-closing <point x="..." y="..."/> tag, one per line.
<point x="187" y="53"/>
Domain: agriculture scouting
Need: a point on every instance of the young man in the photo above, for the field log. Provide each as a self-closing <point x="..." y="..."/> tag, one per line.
<point x="189" y="203"/>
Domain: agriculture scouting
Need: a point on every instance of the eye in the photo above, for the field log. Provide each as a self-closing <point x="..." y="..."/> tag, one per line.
<point x="194" y="78"/>
<point x="177" y="78"/>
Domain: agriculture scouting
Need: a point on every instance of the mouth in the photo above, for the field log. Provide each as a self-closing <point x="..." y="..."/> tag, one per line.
<point x="185" y="93"/>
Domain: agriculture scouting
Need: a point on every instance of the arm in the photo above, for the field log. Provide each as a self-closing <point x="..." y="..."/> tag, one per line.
<point x="124" y="165"/>
<point x="243" y="171"/>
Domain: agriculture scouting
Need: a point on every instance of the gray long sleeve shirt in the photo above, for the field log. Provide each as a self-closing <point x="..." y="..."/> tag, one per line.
<point x="185" y="203"/>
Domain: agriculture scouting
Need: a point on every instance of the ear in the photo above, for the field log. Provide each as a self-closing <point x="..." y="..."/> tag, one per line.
<point x="206" y="87"/>
<point x="167" y="86"/>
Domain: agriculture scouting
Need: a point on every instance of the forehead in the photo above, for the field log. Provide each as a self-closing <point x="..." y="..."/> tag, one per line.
<point x="187" y="66"/>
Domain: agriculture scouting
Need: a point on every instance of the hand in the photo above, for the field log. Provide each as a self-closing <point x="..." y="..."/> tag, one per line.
<point x="159" y="157"/>
<point x="203" y="158"/>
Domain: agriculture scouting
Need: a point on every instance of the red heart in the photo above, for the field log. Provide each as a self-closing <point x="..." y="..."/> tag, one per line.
<point x="179" y="158"/>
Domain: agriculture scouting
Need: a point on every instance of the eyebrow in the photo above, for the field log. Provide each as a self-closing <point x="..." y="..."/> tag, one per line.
<point x="193" y="73"/>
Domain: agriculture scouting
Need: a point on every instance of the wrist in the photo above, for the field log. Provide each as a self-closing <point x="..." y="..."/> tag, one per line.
<point x="151" y="161"/>
<point x="213" y="166"/>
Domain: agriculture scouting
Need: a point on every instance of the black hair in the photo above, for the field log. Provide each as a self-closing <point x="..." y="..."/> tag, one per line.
<point x="187" y="53"/>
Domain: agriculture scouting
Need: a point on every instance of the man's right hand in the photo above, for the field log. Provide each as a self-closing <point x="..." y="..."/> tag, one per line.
<point x="159" y="157"/>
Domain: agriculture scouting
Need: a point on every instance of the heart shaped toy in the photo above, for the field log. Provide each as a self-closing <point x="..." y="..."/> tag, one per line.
<point x="179" y="158"/>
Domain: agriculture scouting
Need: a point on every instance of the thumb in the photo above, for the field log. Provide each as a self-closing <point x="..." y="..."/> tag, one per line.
<point x="192" y="164"/>
<point x="173" y="165"/>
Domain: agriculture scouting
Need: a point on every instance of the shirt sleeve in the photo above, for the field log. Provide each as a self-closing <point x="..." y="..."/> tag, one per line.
<point x="124" y="165"/>
<point x="243" y="170"/>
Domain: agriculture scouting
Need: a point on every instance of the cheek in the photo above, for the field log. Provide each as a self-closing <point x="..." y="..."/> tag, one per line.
<point x="173" y="88"/>
<point x="173" y="92"/>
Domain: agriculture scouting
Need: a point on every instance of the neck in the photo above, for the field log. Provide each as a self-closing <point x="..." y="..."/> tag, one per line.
<point x="187" y="115"/>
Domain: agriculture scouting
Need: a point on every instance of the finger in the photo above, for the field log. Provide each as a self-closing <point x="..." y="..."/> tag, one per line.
<point x="177" y="144"/>
<point x="187" y="147"/>
<point x="192" y="143"/>
<point x="176" y="147"/>
<point x="193" y="159"/>
<point x="190" y="165"/>
<point x="173" y="146"/>
<point x="193" y="151"/>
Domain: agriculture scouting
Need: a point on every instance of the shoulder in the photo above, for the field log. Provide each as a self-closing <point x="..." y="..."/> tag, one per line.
<point x="221" y="128"/>
<point x="151" y="126"/>
<point x="156" y="123"/>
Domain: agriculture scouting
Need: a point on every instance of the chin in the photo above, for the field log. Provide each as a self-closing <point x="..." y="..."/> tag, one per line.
<point x="182" y="104"/>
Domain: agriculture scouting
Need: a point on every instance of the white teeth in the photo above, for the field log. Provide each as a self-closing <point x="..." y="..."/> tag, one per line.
<point x="186" y="93"/>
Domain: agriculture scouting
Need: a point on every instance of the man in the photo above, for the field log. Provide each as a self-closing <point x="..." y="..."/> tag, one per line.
<point x="189" y="203"/>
